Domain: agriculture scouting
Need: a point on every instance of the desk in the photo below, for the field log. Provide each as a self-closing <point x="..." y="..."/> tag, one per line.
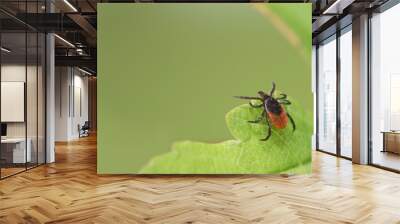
<point x="391" y="141"/>
<point x="13" y="150"/>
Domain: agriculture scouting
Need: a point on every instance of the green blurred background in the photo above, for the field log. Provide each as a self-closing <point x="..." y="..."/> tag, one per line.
<point x="167" y="72"/>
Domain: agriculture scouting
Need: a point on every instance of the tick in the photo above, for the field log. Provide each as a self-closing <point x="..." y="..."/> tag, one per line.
<point x="274" y="110"/>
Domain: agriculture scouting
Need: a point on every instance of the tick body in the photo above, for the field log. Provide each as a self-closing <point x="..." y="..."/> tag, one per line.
<point x="278" y="119"/>
<point x="274" y="111"/>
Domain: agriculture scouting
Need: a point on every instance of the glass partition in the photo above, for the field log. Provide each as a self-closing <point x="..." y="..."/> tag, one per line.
<point x="14" y="153"/>
<point x="327" y="95"/>
<point x="385" y="89"/>
<point x="22" y="108"/>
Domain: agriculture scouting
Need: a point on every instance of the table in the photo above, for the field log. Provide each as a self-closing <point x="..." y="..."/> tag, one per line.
<point x="391" y="141"/>
<point x="13" y="150"/>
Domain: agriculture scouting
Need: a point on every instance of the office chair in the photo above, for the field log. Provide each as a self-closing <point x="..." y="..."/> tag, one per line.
<point x="84" y="130"/>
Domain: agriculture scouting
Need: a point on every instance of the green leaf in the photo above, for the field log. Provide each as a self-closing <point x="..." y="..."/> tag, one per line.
<point x="285" y="152"/>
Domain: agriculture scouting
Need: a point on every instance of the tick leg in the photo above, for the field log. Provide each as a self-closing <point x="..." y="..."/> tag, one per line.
<point x="284" y="102"/>
<point x="291" y="121"/>
<point x="282" y="96"/>
<point x="273" y="89"/>
<point x="258" y="119"/>
<point x="256" y="106"/>
<point x="269" y="131"/>
<point x="248" y="98"/>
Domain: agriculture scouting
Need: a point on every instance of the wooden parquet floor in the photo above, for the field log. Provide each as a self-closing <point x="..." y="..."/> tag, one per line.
<point x="70" y="191"/>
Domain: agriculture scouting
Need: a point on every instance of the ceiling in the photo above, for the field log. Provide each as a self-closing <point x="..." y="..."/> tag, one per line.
<point x="76" y="21"/>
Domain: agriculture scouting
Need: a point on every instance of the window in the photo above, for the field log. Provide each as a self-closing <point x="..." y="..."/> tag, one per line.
<point x="385" y="89"/>
<point x="346" y="92"/>
<point x="327" y="96"/>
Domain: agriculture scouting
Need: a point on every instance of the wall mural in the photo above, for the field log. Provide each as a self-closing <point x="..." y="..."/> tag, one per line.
<point x="204" y="88"/>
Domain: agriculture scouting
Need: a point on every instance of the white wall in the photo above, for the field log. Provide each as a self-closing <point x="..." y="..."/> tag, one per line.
<point x="71" y="102"/>
<point x="62" y="81"/>
<point x="81" y="103"/>
<point x="12" y="73"/>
